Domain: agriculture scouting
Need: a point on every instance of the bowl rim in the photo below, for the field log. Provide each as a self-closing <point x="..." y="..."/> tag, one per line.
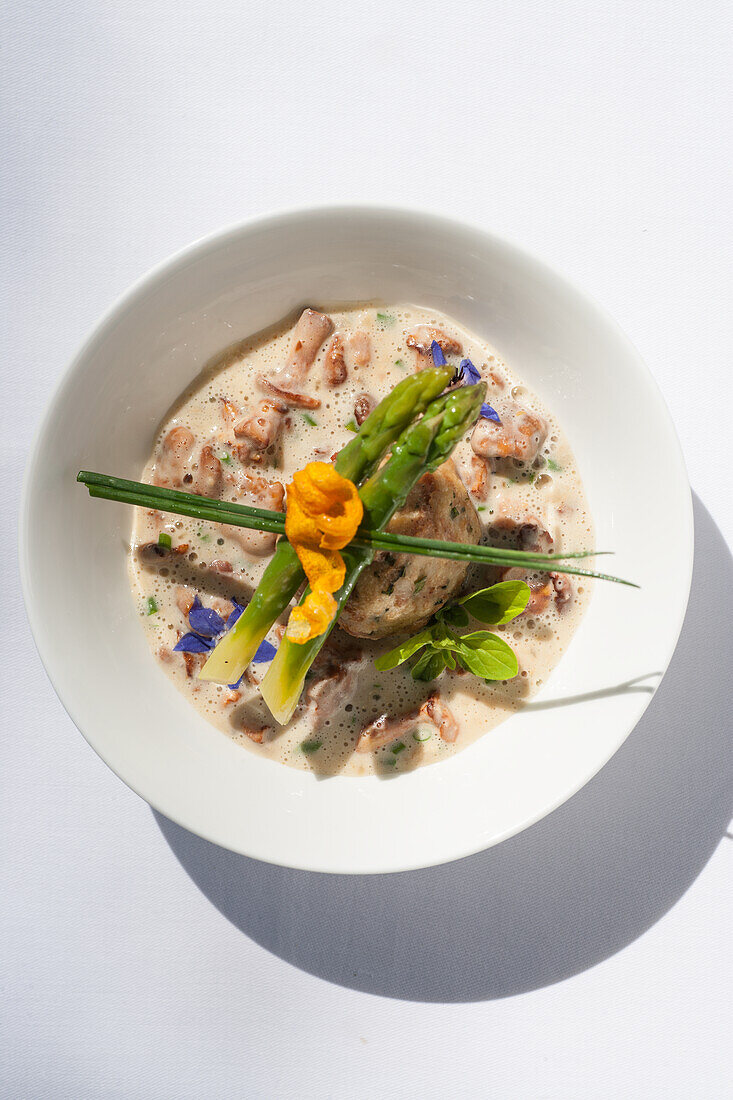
<point x="276" y="219"/>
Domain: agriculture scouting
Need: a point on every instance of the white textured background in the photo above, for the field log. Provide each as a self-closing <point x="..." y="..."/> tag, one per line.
<point x="590" y="956"/>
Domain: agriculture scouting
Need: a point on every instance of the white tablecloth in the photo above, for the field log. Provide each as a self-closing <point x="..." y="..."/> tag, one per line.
<point x="590" y="956"/>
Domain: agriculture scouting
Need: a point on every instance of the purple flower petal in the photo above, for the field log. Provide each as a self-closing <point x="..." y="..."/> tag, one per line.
<point x="236" y="612"/>
<point x="193" y="643"/>
<point x="265" y="652"/>
<point x="469" y="373"/>
<point x="233" y="687"/>
<point x="438" y="357"/>
<point x="204" y="620"/>
<point x="489" y="413"/>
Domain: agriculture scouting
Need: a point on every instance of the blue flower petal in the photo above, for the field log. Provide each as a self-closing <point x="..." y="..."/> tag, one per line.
<point x="204" y="620"/>
<point x="236" y="612"/>
<point x="489" y="413"/>
<point x="469" y="373"/>
<point x="265" y="652"/>
<point x="438" y="357"/>
<point x="193" y="643"/>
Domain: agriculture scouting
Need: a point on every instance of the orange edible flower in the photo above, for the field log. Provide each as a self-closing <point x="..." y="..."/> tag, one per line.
<point x="323" y="513"/>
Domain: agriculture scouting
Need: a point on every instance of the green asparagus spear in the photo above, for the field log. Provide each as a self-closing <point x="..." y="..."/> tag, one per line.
<point x="284" y="575"/>
<point x="421" y="447"/>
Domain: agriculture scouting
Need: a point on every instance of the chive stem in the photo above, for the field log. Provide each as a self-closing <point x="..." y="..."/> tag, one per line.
<point x="141" y="495"/>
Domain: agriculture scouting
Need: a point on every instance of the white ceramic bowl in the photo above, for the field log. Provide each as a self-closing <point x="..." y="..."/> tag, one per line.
<point x="104" y="417"/>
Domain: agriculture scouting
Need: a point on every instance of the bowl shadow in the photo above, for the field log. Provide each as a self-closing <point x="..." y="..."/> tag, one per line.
<point x="548" y="903"/>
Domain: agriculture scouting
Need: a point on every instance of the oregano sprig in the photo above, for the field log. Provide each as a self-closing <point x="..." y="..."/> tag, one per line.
<point x="482" y="652"/>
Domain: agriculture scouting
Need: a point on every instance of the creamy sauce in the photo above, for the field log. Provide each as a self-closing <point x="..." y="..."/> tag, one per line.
<point x="545" y="493"/>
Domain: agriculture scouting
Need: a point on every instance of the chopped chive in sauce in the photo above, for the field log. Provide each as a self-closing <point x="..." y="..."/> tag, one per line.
<point x="226" y="457"/>
<point x="481" y="508"/>
<point x="389" y="761"/>
<point x="419" y="584"/>
<point x="151" y="605"/>
<point x="422" y="735"/>
<point x="531" y="476"/>
<point x="398" y="748"/>
<point x="203" y="536"/>
<point x="399" y="363"/>
<point x="164" y="539"/>
<point x="385" y="319"/>
<point x="310" y="421"/>
<point x="351" y="426"/>
<point x="552" y="465"/>
<point x="453" y="512"/>
<point x="310" y="746"/>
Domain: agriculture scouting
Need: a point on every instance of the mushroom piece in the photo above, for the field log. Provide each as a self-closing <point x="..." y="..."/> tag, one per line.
<point x="259" y="431"/>
<point x="363" y="405"/>
<point x="423" y="336"/>
<point x="384" y="729"/>
<point x="474" y="473"/>
<point x="250" y="719"/>
<point x="334" y="365"/>
<point x="175" y="467"/>
<point x="530" y="534"/>
<point x="207" y="475"/>
<point x="360" y="348"/>
<point x="311" y="330"/>
<point x="401" y="592"/>
<point x="257" y="492"/>
<point x="152" y="553"/>
<point x="173" y="458"/>
<point x="520" y="435"/>
<point x="334" y="677"/>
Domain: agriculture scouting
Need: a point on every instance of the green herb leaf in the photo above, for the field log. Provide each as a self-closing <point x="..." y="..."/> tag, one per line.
<point x="552" y="465"/>
<point x="351" y="426"/>
<point x="498" y="604"/>
<point x="385" y="319"/>
<point x="398" y="748"/>
<point x="226" y="457"/>
<point x="453" y="614"/>
<point x="429" y="665"/>
<point x="399" y="363"/>
<point x="151" y="605"/>
<point x="164" y="539"/>
<point x="442" y="637"/>
<point x="310" y="746"/>
<point x="403" y="651"/>
<point x="487" y="655"/>
<point x="309" y="420"/>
